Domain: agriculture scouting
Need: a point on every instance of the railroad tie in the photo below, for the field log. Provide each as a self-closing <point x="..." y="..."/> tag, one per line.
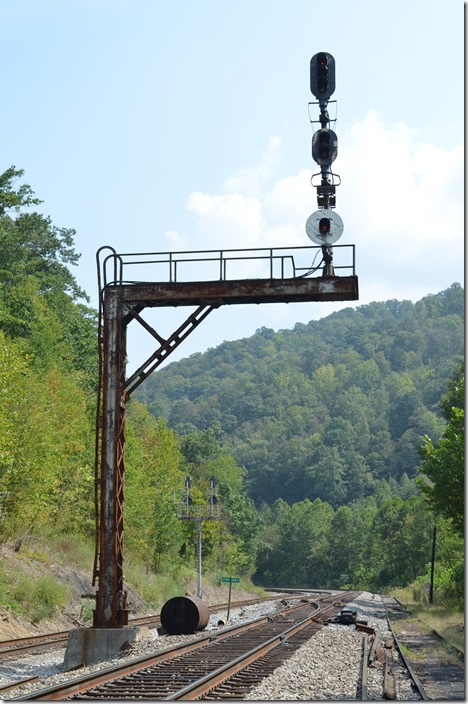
<point x="389" y="687"/>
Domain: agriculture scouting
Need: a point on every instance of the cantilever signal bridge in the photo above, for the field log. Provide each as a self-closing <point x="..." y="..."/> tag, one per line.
<point x="129" y="283"/>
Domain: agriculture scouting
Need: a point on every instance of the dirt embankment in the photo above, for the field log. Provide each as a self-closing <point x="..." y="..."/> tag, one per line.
<point x="17" y="626"/>
<point x="79" y="582"/>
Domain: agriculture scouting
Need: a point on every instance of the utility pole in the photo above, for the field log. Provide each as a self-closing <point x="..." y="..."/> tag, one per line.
<point x="188" y="511"/>
<point x="431" y="588"/>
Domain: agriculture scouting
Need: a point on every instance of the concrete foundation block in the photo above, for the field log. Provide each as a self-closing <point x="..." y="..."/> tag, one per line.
<point x="87" y="646"/>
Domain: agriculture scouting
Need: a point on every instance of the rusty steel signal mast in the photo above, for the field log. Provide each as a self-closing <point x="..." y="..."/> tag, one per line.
<point x="129" y="283"/>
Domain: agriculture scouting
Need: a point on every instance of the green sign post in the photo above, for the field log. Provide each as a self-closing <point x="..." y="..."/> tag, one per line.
<point x="230" y="580"/>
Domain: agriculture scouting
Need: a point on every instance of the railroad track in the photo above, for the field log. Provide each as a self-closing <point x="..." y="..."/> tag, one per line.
<point x="59" y="639"/>
<point x="387" y="653"/>
<point x="16" y="646"/>
<point x="225" y="665"/>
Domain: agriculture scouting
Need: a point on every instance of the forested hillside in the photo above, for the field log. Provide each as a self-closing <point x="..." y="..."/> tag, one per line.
<point x="314" y="435"/>
<point x="334" y="409"/>
<point x="48" y="370"/>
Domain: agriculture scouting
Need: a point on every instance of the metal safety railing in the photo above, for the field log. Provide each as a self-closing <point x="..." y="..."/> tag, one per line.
<point x="197" y="511"/>
<point x="223" y="265"/>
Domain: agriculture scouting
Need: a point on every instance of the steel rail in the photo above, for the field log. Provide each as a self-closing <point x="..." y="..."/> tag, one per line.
<point x="204" y="684"/>
<point x="9" y="648"/>
<point x="408" y="666"/>
<point x="18" y="645"/>
<point x="365" y="656"/>
<point x="80" y="684"/>
<point x="239" y="666"/>
<point x="18" y="683"/>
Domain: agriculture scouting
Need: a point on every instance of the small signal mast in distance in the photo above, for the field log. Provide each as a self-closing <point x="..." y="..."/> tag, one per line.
<point x="187" y="510"/>
<point x="325" y="226"/>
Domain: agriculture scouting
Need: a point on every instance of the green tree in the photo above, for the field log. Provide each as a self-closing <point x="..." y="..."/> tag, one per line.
<point x="401" y="534"/>
<point x="443" y="462"/>
<point x="11" y="198"/>
<point x="350" y="541"/>
<point x="39" y="296"/>
<point x="47" y="478"/>
<point x="49" y="363"/>
<point x="296" y="550"/>
<point x="30" y="244"/>
<point x="13" y="371"/>
<point x="230" y="543"/>
<point x="152" y="477"/>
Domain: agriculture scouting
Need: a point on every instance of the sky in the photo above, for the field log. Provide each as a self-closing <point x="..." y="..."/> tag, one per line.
<point x="155" y="126"/>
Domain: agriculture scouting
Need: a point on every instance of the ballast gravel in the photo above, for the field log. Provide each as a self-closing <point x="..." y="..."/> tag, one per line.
<point x="326" y="668"/>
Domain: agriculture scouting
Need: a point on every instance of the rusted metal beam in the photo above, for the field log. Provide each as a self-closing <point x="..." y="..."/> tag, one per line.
<point x="166" y="347"/>
<point x="217" y="293"/>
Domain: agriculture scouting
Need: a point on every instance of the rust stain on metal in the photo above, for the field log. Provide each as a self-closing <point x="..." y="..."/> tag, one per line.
<point x="333" y="288"/>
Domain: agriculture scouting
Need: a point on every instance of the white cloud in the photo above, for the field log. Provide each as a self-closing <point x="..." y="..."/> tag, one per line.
<point x="227" y="220"/>
<point x="401" y="201"/>
<point x="402" y="196"/>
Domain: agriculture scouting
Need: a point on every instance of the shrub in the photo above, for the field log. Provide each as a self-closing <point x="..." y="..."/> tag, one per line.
<point x="40" y="597"/>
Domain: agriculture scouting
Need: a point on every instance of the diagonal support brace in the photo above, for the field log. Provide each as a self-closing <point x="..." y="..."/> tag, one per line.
<point x="166" y="346"/>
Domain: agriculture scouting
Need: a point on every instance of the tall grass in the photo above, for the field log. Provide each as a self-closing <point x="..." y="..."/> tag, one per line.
<point x="446" y="622"/>
<point x="36" y="598"/>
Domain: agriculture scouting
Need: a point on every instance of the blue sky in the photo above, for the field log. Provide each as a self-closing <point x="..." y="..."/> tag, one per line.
<point x="150" y="125"/>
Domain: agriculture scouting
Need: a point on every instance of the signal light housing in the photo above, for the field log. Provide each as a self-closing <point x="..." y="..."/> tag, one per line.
<point x="322" y="75"/>
<point x="324" y="146"/>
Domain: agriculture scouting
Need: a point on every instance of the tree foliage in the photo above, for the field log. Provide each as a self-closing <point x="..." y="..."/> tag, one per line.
<point x="45" y="462"/>
<point x="326" y="410"/>
<point x="360" y="545"/>
<point x="152" y="477"/>
<point x="230" y="543"/>
<point x="41" y="304"/>
<point x="444" y="461"/>
<point x="48" y="362"/>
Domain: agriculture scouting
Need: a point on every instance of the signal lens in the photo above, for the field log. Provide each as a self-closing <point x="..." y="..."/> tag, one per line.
<point x="324" y="145"/>
<point x="322" y="72"/>
<point x="324" y="225"/>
